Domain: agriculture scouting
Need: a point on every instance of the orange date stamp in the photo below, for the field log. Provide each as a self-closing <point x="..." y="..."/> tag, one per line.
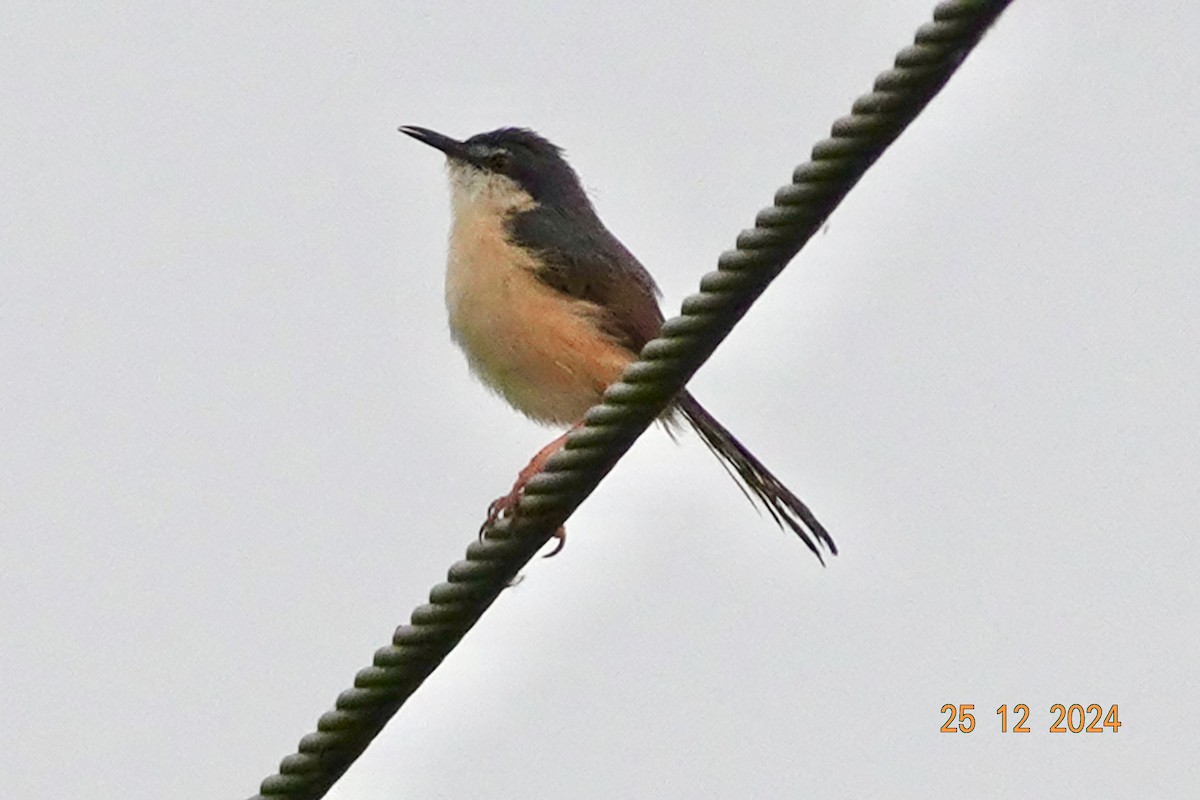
<point x="1074" y="718"/>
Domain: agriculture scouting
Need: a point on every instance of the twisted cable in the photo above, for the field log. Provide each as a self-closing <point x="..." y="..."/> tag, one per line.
<point x="635" y="401"/>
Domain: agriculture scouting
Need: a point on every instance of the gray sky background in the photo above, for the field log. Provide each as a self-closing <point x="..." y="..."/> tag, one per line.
<point x="239" y="447"/>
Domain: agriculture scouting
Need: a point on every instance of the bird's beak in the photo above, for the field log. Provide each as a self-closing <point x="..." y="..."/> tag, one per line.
<point x="453" y="148"/>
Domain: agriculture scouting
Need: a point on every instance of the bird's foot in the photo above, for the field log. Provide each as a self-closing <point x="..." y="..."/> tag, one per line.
<point x="503" y="506"/>
<point x="507" y="505"/>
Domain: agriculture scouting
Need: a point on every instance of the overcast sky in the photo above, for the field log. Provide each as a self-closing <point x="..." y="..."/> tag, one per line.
<point x="238" y="445"/>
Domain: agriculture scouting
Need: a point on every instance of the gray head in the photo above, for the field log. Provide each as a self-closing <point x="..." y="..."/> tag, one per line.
<point x="508" y="159"/>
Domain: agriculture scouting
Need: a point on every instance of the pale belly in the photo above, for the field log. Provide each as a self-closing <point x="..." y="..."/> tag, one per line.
<point x="536" y="347"/>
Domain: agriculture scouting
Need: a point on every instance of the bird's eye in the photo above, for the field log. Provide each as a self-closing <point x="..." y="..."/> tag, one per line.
<point x="499" y="160"/>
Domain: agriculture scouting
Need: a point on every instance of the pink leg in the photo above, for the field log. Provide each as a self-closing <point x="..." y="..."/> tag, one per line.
<point x="504" y="506"/>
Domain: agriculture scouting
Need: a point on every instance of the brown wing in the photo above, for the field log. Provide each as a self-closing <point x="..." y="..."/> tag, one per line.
<point x="580" y="258"/>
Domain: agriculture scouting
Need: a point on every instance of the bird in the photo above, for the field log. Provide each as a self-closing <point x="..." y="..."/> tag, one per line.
<point x="550" y="307"/>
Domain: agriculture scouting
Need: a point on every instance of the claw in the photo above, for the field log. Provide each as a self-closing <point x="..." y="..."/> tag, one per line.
<point x="561" y="535"/>
<point x="502" y="507"/>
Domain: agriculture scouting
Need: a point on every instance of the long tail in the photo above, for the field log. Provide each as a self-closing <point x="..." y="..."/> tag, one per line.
<point x="783" y="506"/>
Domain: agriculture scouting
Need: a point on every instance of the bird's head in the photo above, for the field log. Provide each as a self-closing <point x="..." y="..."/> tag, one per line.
<point x="511" y="167"/>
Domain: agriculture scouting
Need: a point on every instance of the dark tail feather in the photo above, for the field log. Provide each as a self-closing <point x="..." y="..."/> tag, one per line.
<point x="783" y="506"/>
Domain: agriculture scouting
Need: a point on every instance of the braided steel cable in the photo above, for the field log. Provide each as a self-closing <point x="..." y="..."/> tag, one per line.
<point x="634" y="402"/>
